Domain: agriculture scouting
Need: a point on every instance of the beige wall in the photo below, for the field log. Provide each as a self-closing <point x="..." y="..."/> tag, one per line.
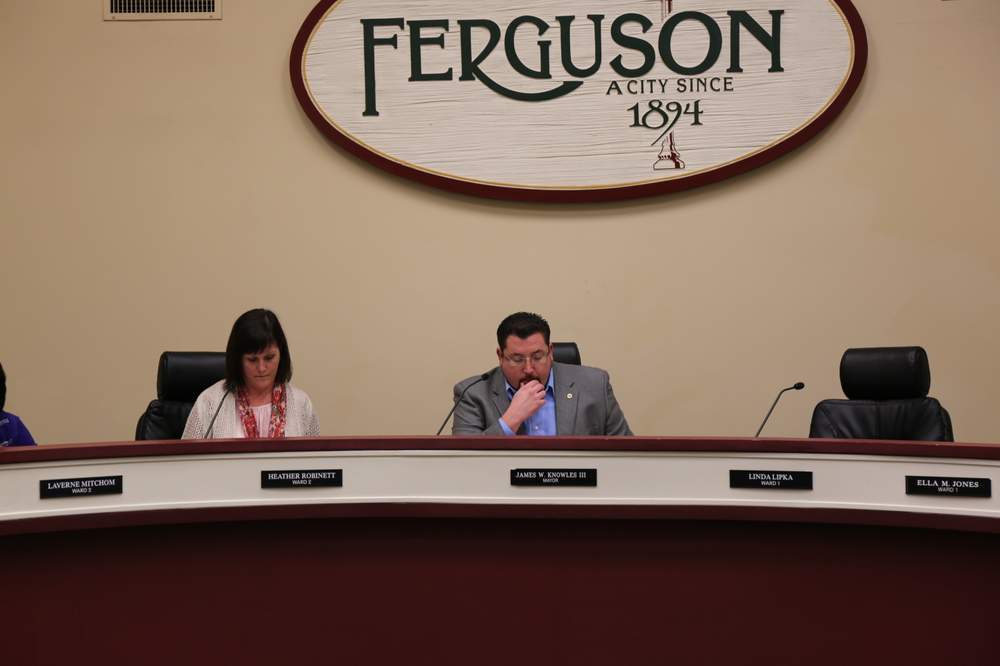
<point x="160" y="178"/>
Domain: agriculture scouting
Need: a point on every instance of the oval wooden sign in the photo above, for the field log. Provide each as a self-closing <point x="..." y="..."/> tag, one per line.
<point x="575" y="100"/>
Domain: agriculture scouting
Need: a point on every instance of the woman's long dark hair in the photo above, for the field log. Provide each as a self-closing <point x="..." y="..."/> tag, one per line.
<point x="253" y="332"/>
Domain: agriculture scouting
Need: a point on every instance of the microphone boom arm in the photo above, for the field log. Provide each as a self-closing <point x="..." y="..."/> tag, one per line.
<point x="797" y="386"/>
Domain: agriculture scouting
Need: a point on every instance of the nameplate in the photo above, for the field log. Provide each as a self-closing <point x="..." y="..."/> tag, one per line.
<point x="951" y="486"/>
<point x="553" y="477"/>
<point x="80" y="487"/>
<point x="770" y="480"/>
<point x="301" y="478"/>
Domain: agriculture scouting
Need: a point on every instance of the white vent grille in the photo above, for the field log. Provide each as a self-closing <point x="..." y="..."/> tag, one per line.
<point x="161" y="10"/>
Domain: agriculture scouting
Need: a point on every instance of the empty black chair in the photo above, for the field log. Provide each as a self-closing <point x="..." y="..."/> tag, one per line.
<point x="886" y="389"/>
<point x="181" y="377"/>
<point x="566" y="352"/>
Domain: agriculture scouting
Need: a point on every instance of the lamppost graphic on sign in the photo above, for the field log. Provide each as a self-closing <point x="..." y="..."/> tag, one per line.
<point x="668" y="158"/>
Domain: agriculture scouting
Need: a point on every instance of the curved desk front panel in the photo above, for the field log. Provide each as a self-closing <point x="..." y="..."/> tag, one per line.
<point x="484" y="551"/>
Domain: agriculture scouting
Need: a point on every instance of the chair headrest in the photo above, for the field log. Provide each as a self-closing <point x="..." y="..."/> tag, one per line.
<point x="184" y="375"/>
<point x="566" y="352"/>
<point x="885" y="373"/>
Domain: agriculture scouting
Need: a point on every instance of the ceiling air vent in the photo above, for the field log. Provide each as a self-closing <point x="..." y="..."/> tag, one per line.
<point x="161" y="10"/>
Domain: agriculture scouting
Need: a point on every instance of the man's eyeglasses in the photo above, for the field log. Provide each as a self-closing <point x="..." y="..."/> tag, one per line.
<point x="518" y="361"/>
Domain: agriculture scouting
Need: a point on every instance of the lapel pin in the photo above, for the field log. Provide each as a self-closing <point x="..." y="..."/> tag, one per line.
<point x="569" y="396"/>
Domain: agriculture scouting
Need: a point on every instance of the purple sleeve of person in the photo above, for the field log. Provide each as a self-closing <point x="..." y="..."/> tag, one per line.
<point x="13" y="432"/>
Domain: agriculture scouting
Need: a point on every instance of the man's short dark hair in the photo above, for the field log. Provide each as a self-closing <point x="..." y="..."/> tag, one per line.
<point x="253" y="332"/>
<point x="3" y="387"/>
<point x="523" y="325"/>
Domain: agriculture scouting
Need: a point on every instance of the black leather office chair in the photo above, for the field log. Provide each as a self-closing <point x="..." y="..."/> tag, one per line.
<point x="181" y="377"/>
<point x="886" y="389"/>
<point x="566" y="352"/>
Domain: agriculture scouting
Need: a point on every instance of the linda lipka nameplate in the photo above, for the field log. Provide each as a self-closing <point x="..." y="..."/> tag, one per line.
<point x="553" y="477"/>
<point x="769" y="480"/>
<point x="952" y="486"/>
<point x="301" y="478"/>
<point x="81" y="487"/>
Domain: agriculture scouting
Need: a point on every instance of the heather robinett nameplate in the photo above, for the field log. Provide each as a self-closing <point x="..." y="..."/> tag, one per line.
<point x="80" y="487"/>
<point x="301" y="478"/>
<point x="553" y="477"/>
<point x="949" y="486"/>
<point x="575" y="100"/>
<point x="768" y="480"/>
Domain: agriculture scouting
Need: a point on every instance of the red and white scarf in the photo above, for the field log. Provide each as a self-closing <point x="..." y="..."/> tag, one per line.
<point x="279" y="402"/>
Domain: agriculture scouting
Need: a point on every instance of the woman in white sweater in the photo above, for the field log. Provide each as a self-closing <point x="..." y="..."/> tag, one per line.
<point x="255" y="399"/>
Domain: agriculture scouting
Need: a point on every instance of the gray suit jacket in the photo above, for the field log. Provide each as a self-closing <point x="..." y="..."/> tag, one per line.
<point x="585" y="403"/>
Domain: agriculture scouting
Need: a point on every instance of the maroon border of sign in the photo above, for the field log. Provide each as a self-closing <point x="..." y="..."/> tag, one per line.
<point x="555" y="195"/>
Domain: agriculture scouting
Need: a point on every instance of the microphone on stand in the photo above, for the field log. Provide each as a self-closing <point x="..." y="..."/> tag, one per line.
<point x="798" y="386"/>
<point x="482" y="378"/>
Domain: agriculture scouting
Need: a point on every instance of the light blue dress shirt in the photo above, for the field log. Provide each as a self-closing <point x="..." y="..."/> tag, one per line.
<point x="542" y="422"/>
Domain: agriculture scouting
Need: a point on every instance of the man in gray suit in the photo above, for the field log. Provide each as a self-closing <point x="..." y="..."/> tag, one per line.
<point x="529" y="394"/>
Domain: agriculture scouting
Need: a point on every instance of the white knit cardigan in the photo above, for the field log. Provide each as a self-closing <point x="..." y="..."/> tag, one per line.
<point x="299" y="417"/>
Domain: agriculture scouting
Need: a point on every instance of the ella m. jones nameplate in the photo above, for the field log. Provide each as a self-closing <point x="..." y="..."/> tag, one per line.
<point x="553" y="477"/>
<point x="769" y="480"/>
<point x="952" y="486"/>
<point x="90" y="485"/>
<point x="301" y="478"/>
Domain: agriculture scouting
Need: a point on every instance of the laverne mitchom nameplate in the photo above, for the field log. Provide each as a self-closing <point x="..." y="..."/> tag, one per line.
<point x="80" y="487"/>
